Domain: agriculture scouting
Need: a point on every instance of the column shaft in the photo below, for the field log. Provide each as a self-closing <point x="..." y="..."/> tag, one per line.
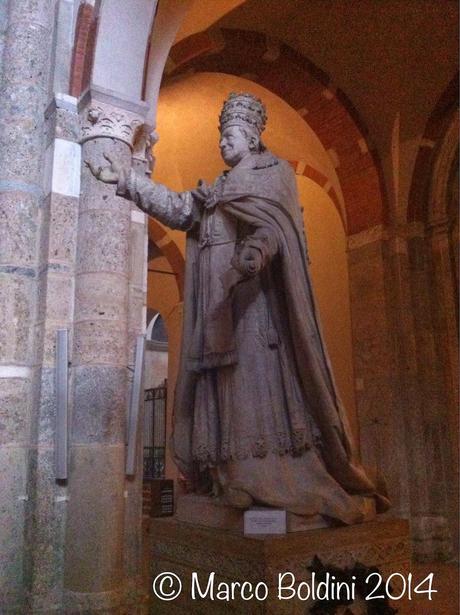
<point x="26" y="34"/>
<point x="95" y="541"/>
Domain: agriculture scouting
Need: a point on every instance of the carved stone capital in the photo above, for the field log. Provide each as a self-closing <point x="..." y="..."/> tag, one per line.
<point x="101" y="120"/>
<point x="103" y="114"/>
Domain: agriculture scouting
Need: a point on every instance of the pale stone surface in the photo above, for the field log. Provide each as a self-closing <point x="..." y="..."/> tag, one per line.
<point x="21" y="153"/>
<point x="16" y="310"/>
<point x="14" y="410"/>
<point x="27" y="54"/>
<point x="138" y="216"/>
<point x="18" y="227"/>
<point x="101" y="297"/>
<point x="99" y="342"/>
<point x="120" y="68"/>
<point x="13" y="490"/>
<point x="101" y="394"/>
<point x="94" y="532"/>
<point x="39" y="12"/>
<point x="45" y="537"/>
<point x="63" y="54"/>
<point x="136" y="304"/>
<point x="66" y="168"/>
<point x="45" y="341"/>
<point x="55" y="297"/>
<point x="137" y="255"/>
<point x="62" y="216"/>
<point x="44" y="425"/>
<point x="106" y="247"/>
<point x="15" y="371"/>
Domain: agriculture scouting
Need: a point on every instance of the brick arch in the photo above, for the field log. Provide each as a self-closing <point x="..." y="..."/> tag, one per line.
<point x="435" y="129"/>
<point x="170" y="250"/>
<point x="83" y="50"/>
<point x="279" y="68"/>
<point x="305" y="170"/>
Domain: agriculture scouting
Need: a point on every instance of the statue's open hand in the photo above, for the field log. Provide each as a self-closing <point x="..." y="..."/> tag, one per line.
<point x="248" y="261"/>
<point x="109" y="174"/>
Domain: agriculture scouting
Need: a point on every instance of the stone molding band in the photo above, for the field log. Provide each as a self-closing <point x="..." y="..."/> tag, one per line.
<point x="383" y="233"/>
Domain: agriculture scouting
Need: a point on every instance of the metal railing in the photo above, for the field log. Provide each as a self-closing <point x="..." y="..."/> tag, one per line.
<point x="155" y="432"/>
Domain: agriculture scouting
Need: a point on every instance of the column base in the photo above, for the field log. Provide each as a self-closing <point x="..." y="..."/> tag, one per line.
<point x="432" y="540"/>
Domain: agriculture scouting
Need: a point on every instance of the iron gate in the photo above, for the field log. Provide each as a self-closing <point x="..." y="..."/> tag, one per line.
<point x="155" y="432"/>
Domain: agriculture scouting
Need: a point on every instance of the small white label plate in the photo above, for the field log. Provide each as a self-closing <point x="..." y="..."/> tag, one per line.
<point x="265" y="521"/>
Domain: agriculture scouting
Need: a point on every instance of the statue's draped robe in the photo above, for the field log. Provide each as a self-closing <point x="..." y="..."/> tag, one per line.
<point x="255" y="396"/>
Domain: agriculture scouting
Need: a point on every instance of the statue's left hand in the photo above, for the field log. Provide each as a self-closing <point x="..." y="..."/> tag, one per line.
<point x="248" y="261"/>
<point x="109" y="174"/>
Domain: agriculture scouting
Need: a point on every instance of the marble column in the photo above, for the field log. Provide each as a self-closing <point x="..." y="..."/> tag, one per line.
<point x="94" y="545"/>
<point x="26" y="35"/>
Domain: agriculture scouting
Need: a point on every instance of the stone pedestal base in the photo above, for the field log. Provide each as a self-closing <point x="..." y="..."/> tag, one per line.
<point x="194" y="553"/>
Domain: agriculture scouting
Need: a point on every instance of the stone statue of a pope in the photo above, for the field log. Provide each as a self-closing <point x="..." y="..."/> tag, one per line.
<point x="257" y="416"/>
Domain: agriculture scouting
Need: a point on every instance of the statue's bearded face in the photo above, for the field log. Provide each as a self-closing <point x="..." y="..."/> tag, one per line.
<point x="234" y="145"/>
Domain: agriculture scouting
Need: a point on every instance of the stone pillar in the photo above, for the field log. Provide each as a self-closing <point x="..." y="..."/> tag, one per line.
<point x="47" y="497"/>
<point x="424" y="459"/>
<point x="446" y="335"/>
<point x="94" y="549"/>
<point x="26" y="38"/>
<point x="399" y="393"/>
<point x="381" y="424"/>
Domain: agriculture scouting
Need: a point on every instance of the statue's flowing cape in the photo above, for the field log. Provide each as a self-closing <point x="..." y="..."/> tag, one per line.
<point x="265" y="195"/>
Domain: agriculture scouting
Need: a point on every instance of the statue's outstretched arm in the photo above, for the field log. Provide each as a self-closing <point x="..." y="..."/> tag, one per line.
<point x="178" y="210"/>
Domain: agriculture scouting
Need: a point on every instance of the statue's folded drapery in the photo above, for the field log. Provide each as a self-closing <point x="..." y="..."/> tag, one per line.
<point x="255" y="397"/>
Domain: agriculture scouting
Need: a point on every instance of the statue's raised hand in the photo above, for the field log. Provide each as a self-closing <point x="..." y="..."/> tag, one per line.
<point x="109" y="174"/>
